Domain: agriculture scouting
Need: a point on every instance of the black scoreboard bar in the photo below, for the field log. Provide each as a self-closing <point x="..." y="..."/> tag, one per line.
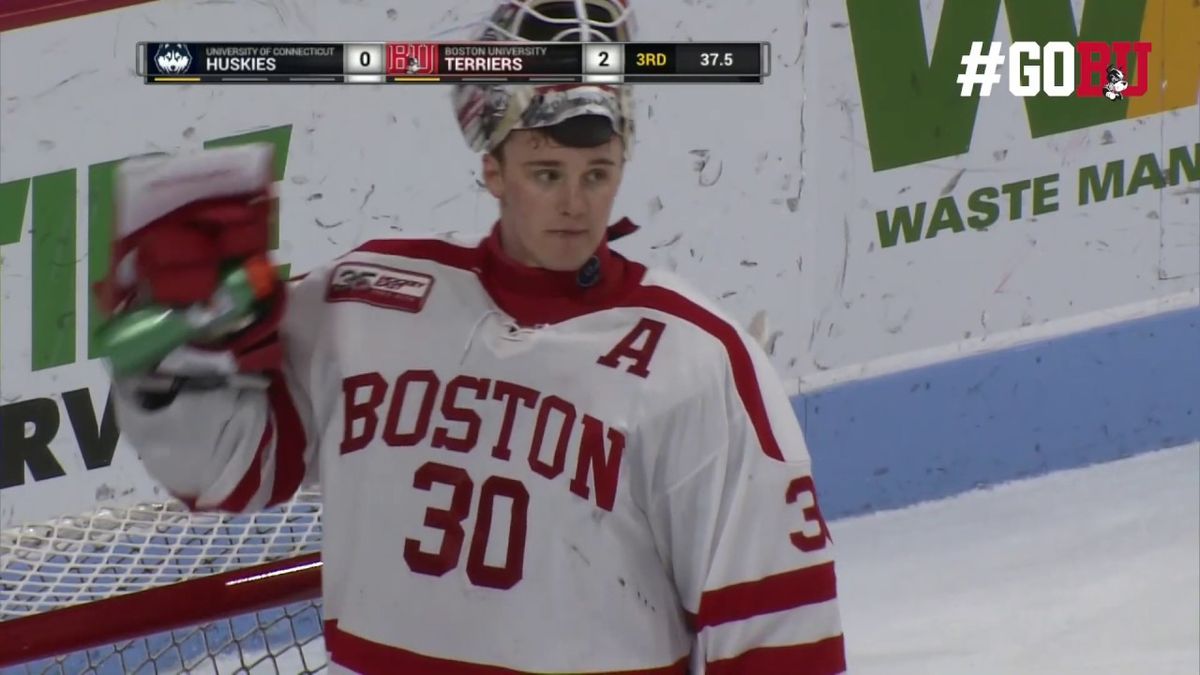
<point x="691" y="58"/>
<point x="448" y="62"/>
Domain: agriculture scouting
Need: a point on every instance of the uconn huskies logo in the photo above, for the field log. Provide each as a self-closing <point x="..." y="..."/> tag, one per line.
<point x="172" y="58"/>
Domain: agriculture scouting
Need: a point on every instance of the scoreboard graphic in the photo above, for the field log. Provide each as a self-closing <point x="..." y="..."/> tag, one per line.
<point x="451" y="62"/>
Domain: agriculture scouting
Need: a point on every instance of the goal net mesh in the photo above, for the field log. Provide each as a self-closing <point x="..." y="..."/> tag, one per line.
<point x="114" y="551"/>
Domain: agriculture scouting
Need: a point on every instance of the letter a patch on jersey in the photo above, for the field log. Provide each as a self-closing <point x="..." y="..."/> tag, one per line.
<point x="637" y="346"/>
<point x="379" y="286"/>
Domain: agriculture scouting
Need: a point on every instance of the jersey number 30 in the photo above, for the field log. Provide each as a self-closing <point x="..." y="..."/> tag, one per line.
<point x="450" y="520"/>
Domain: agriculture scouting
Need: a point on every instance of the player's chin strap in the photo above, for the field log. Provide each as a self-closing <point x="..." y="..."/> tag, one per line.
<point x="622" y="228"/>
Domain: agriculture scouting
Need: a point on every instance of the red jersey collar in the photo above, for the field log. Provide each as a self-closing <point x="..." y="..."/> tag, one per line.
<point x="533" y="295"/>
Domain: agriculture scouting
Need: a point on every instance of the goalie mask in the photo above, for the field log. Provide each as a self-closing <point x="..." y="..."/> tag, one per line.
<point x="487" y="113"/>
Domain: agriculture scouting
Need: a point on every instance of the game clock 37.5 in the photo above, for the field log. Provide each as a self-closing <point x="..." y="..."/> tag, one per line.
<point x="662" y="62"/>
<point x="716" y="59"/>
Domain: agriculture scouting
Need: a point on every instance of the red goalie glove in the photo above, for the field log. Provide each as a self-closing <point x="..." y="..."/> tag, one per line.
<point x="181" y="222"/>
<point x="179" y="256"/>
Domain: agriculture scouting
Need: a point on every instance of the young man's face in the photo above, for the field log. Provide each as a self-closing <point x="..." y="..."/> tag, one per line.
<point x="555" y="201"/>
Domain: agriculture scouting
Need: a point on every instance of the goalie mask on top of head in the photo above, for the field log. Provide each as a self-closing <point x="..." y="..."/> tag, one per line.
<point x="487" y="113"/>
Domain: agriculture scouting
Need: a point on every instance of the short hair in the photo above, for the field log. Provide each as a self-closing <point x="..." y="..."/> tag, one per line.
<point x="581" y="131"/>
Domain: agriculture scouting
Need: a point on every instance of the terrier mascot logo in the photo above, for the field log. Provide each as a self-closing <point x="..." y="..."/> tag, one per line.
<point x="1116" y="84"/>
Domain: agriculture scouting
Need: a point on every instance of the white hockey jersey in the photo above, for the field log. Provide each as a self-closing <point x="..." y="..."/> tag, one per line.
<point x="524" y="470"/>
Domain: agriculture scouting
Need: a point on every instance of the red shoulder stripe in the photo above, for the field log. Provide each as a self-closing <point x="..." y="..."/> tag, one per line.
<point x="437" y="250"/>
<point x="744" y="376"/>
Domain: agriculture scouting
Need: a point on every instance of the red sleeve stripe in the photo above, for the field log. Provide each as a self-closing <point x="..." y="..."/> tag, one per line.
<point x="744" y="376"/>
<point x="437" y="250"/>
<point x="826" y="657"/>
<point x="776" y="593"/>
<point x="366" y="656"/>
<point x="291" y="444"/>
<point x="246" y="488"/>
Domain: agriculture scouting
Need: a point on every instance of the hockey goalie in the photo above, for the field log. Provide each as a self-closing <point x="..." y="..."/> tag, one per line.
<point x="535" y="454"/>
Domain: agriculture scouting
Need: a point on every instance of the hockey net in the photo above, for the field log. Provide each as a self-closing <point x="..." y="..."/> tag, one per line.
<point x="154" y="588"/>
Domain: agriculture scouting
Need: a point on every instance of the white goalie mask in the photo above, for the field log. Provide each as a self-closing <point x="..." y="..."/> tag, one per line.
<point x="487" y="113"/>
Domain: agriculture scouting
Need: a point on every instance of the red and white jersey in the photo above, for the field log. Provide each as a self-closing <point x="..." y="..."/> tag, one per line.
<point x="524" y="470"/>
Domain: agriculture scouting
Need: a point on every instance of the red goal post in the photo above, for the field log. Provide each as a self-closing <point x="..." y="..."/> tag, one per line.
<point x="156" y="588"/>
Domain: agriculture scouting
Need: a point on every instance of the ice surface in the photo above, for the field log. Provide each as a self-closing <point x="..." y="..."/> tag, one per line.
<point x="1094" y="570"/>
